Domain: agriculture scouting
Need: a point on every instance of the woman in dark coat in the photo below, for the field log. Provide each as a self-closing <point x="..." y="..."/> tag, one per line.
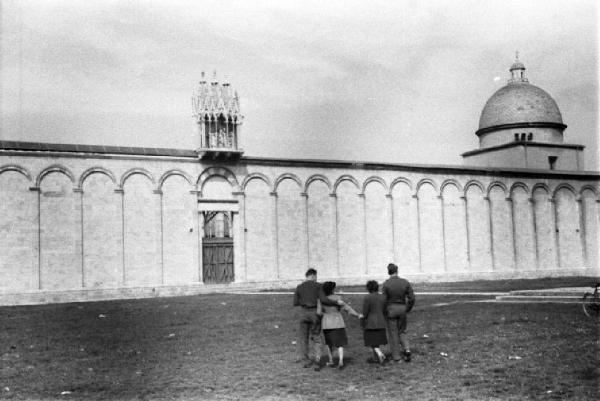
<point x="374" y="323"/>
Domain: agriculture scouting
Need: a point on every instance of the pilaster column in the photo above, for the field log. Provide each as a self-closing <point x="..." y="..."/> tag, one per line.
<point x="391" y="210"/>
<point x="275" y="230"/>
<point x="307" y="236"/>
<point x="122" y="193"/>
<point x="415" y="201"/>
<point x="443" y="232"/>
<point x="488" y="204"/>
<point x="335" y="220"/>
<point x="201" y="253"/>
<point x="197" y="261"/>
<point x="534" y="230"/>
<point x="512" y="228"/>
<point x="365" y="248"/>
<point x="555" y="231"/>
<point x="161" y="236"/>
<point x="466" y="206"/>
<point x="80" y="192"/>
<point x="581" y="215"/>
<point x="239" y="239"/>
<point x="38" y="243"/>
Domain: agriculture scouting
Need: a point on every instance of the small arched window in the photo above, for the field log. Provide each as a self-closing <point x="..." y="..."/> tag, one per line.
<point x="530" y="136"/>
<point x="217" y="224"/>
<point x="516" y="137"/>
<point x="523" y="135"/>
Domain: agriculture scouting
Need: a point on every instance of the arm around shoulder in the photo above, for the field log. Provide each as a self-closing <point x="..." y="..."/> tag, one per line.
<point x="325" y="300"/>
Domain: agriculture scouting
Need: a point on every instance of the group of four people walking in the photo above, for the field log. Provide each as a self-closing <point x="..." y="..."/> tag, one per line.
<point x="383" y="316"/>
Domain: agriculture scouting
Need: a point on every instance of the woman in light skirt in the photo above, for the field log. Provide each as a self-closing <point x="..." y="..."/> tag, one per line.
<point x="333" y="324"/>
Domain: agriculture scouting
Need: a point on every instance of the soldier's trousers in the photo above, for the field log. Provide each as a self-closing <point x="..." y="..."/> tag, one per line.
<point x="396" y="325"/>
<point x="309" y="332"/>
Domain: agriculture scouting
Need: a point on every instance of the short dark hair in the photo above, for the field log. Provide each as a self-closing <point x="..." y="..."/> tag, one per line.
<point x="372" y="286"/>
<point x="328" y="287"/>
<point x="310" y="272"/>
<point x="392" y="269"/>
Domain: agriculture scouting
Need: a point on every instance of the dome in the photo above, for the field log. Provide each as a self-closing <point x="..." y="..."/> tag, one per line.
<point x="519" y="102"/>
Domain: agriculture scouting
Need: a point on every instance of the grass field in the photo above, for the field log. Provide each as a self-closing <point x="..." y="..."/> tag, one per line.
<point x="226" y="346"/>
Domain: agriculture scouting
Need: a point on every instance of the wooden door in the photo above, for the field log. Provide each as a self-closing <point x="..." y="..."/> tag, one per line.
<point x="217" y="263"/>
<point x="217" y="248"/>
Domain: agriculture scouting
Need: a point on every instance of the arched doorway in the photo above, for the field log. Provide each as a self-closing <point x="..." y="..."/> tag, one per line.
<point x="218" y="221"/>
<point x="217" y="247"/>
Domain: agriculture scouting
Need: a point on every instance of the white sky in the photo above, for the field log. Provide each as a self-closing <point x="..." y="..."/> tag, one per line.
<point x="390" y="81"/>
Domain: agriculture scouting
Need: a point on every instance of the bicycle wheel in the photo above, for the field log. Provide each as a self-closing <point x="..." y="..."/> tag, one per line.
<point x="591" y="305"/>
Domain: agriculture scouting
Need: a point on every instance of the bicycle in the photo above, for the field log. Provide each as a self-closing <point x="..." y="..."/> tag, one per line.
<point x="591" y="302"/>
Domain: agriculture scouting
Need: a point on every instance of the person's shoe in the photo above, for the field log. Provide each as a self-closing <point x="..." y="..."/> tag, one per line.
<point x="317" y="368"/>
<point x="341" y="366"/>
<point x="330" y="364"/>
<point x="407" y="356"/>
<point x="307" y="364"/>
<point x="381" y="359"/>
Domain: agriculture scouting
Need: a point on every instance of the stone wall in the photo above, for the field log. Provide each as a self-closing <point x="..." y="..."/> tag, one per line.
<point x="72" y="222"/>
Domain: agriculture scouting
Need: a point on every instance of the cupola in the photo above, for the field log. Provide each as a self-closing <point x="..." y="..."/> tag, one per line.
<point x="521" y="126"/>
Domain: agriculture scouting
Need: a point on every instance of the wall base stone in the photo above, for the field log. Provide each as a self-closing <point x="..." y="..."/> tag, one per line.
<point x="48" y="297"/>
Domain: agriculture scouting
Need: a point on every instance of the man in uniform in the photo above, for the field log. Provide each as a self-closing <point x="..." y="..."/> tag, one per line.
<point x="400" y="299"/>
<point x="306" y="296"/>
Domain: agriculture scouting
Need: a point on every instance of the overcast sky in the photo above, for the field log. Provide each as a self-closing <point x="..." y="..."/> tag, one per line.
<point x="389" y="81"/>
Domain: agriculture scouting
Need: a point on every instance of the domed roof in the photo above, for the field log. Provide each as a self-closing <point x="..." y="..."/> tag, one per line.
<point x="519" y="102"/>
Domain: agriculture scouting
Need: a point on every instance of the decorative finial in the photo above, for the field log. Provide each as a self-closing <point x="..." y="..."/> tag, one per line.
<point x="517" y="71"/>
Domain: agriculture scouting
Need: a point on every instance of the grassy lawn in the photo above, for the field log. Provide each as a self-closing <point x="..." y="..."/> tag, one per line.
<point x="240" y="347"/>
<point x="499" y="285"/>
